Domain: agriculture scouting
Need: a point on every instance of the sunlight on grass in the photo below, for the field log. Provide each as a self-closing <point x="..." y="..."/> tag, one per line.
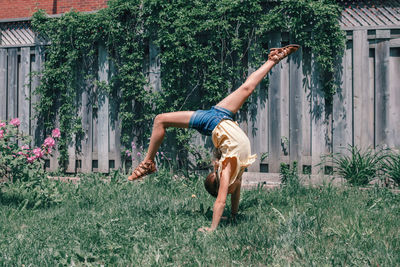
<point x="155" y="222"/>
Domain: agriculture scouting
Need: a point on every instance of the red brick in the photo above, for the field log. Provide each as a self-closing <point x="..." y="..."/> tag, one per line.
<point x="25" y="8"/>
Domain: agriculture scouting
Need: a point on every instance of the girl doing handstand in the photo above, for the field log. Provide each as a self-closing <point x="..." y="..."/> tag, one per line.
<point x="227" y="137"/>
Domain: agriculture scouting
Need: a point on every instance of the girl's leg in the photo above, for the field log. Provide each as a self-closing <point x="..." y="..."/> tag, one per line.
<point x="235" y="100"/>
<point x="178" y="119"/>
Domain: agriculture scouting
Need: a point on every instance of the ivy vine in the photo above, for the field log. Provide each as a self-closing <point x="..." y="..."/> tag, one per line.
<point x="205" y="47"/>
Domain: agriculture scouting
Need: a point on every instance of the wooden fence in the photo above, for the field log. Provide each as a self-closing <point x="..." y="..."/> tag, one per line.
<point x="289" y="123"/>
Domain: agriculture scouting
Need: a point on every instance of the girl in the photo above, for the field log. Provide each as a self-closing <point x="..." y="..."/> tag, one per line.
<point x="227" y="137"/>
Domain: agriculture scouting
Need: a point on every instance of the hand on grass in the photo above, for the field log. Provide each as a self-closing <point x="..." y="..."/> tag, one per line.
<point x="205" y="229"/>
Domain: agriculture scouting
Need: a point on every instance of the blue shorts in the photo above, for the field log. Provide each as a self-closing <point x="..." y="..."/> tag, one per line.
<point x="205" y="121"/>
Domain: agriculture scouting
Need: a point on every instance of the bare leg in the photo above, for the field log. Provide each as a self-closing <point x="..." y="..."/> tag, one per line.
<point x="235" y="100"/>
<point x="178" y="119"/>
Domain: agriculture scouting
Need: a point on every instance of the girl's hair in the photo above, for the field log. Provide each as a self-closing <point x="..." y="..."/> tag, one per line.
<point x="211" y="184"/>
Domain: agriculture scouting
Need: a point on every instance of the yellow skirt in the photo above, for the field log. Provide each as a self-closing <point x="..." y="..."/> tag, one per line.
<point x="233" y="143"/>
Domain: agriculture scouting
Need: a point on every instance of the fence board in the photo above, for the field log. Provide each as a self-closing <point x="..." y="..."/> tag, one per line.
<point x="274" y="112"/>
<point x="382" y="92"/>
<point x="394" y="107"/>
<point x="102" y="114"/>
<point x="363" y="134"/>
<point x="284" y="116"/>
<point x="307" y="107"/>
<point x="318" y="126"/>
<point x="3" y="84"/>
<point x="37" y="66"/>
<point x="24" y="90"/>
<point x="12" y="94"/>
<point x="296" y="107"/>
<point x="342" y="105"/>
<point x="114" y="128"/>
<point x="86" y="113"/>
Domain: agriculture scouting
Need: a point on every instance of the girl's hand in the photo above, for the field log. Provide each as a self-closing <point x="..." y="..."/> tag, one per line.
<point x="205" y="229"/>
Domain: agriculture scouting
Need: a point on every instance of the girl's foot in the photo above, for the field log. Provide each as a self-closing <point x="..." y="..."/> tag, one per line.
<point x="277" y="54"/>
<point x="144" y="168"/>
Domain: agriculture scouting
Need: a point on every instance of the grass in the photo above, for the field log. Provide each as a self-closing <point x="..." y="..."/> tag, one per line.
<point x="155" y="222"/>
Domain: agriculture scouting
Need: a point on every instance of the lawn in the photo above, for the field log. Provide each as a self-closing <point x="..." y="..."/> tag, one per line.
<point x="155" y="222"/>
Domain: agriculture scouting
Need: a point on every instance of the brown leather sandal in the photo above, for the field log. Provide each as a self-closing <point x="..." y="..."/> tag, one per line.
<point x="277" y="54"/>
<point x="144" y="168"/>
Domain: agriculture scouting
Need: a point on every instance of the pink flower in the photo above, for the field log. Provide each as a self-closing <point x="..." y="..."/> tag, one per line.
<point x="133" y="145"/>
<point x="20" y="153"/>
<point x="38" y="152"/>
<point x="49" y="150"/>
<point x="139" y="154"/>
<point x="1" y="133"/>
<point x="16" y="122"/>
<point x="25" y="147"/>
<point x="31" y="159"/>
<point x="49" y="142"/>
<point x="56" y="133"/>
<point x="2" y="124"/>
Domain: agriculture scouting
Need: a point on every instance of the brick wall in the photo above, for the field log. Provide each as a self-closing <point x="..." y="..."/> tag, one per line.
<point x="25" y="8"/>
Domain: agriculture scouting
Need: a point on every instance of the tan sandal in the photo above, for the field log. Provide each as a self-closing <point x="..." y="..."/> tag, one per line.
<point x="144" y="168"/>
<point x="277" y="54"/>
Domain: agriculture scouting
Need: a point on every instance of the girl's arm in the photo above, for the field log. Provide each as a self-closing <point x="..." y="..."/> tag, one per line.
<point x="219" y="205"/>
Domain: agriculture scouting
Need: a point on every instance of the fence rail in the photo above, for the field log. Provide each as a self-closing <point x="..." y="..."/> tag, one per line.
<point x="289" y="123"/>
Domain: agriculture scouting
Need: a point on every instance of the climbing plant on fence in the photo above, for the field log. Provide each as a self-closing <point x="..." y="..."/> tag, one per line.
<point x="204" y="46"/>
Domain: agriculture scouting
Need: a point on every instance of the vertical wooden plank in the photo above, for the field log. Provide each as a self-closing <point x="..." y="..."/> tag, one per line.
<point x="24" y="90"/>
<point x="394" y="92"/>
<point x="274" y="113"/>
<point x="306" y="108"/>
<point x="37" y="66"/>
<point x="296" y="107"/>
<point x="71" y="167"/>
<point x="284" y="142"/>
<point x="361" y="90"/>
<point x="115" y="126"/>
<point x="318" y="126"/>
<point x="154" y="67"/>
<point x="12" y="95"/>
<point x="3" y="84"/>
<point x="342" y="104"/>
<point x="256" y="120"/>
<point x="102" y="113"/>
<point x="85" y="112"/>
<point x="370" y="100"/>
<point x="382" y="92"/>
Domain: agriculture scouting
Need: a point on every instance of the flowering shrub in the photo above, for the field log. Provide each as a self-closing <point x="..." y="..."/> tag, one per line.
<point x="21" y="165"/>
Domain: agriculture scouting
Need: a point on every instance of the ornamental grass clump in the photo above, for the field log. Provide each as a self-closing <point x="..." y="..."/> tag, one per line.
<point x="391" y="166"/>
<point x="22" y="173"/>
<point x="358" y="166"/>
